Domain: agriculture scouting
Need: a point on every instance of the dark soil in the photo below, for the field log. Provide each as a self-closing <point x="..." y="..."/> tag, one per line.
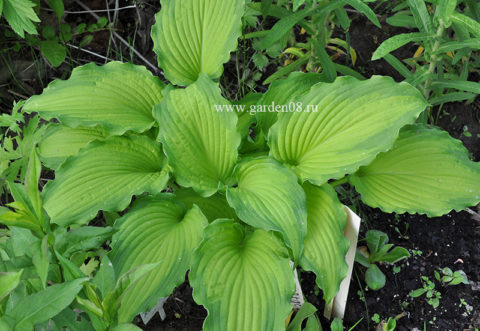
<point x="182" y="313"/>
<point x="450" y="241"/>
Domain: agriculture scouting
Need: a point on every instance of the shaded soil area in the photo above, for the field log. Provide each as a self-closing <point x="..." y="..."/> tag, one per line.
<point x="449" y="241"/>
<point x="182" y="313"/>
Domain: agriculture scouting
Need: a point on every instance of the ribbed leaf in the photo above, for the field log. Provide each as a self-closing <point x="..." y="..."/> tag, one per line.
<point x="60" y="142"/>
<point x="355" y="121"/>
<point x="244" y="279"/>
<point x="199" y="141"/>
<point x="426" y="172"/>
<point x="284" y="93"/>
<point x="104" y="176"/>
<point x="156" y="229"/>
<point x="195" y="36"/>
<point x="119" y="96"/>
<point x="213" y="207"/>
<point x="269" y="197"/>
<point x="325" y="245"/>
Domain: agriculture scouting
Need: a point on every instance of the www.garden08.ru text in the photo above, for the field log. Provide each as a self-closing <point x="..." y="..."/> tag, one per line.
<point x="291" y="107"/>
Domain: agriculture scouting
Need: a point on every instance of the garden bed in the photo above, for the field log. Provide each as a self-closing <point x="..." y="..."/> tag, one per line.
<point x="449" y="241"/>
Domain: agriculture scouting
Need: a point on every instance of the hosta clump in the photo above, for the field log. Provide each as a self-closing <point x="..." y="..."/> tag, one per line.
<point x="232" y="209"/>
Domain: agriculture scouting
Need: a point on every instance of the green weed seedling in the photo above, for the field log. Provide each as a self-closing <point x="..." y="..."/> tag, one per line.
<point x="387" y="324"/>
<point x="468" y="308"/>
<point x="379" y="250"/>
<point x="428" y="288"/>
<point x="447" y="277"/>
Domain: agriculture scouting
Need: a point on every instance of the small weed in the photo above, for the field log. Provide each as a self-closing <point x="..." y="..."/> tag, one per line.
<point x="447" y="277"/>
<point x="468" y="308"/>
<point x="416" y="252"/>
<point x="428" y="288"/>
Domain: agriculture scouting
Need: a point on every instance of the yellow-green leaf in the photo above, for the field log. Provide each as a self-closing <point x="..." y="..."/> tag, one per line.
<point x="104" y="176"/>
<point x="243" y="278"/>
<point x="426" y="172"/>
<point x="156" y="229"/>
<point x="118" y="96"/>
<point x="349" y="123"/>
<point x="269" y="197"/>
<point x="325" y="244"/>
<point x="200" y="142"/>
<point x="60" y="142"/>
<point x="196" y="36"/>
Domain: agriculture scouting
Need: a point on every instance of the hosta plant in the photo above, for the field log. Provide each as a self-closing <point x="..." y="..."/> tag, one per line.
<point x="231" y="196"/>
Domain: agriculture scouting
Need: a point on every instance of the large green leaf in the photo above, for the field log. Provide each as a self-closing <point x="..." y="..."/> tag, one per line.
<point x="283" y="93"/>
<point x="426" y="172"/>
<point x="156" y="229"/>
<point x="325" y="244"/>
<point x="200" y="142"/>
<point x="195" y="36"/>
<point x="213" y="207"/>
<point x="60" y="142"/>
<point x="243" y="278"/>
<point x="350" y="122"/>
<point x="119" y="96"/>
<point x="43" y="305"/>
<point x="268" y="196"/>
<point x="104" y="176"/>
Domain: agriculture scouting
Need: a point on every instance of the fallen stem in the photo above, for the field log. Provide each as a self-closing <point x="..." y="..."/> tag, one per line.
<point x="92" y="11"/>
<point x="89" y="52"/>
<point x="475" y="215"/>
<point x="137" y="53"/>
